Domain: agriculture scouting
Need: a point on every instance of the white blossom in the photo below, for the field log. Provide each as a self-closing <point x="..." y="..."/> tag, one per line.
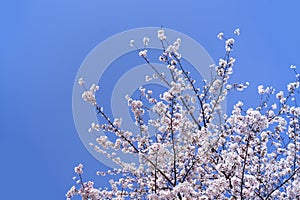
<point x="78" y="169"/>
<point x="146" y="41"/>
<point x="143" y="53"/>
<point x="89" y="96"/>
<point x="237" y="32"/>
<point x="220" y="36"/>
<point x="131" y="43"/>
<point x="293" y="67"/>
<point x="161" y="34"/>
<point x="81" y="81"/>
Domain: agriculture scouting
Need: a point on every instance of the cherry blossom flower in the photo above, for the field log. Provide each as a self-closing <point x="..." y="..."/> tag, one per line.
<point x="143" y="53"/>
<point x="81" y="81"/>
<point x="131" y="43"/>
<point x="78" y="169"/>
<point x="293" y="67"/>
<point x="220" y="36"/>
<point x="146" y="41"/>
<point x="237" y="32"/>
<point x="161" y="34"/>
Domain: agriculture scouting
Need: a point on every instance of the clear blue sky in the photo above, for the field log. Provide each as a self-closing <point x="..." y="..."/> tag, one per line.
<point x="44" y="42"/>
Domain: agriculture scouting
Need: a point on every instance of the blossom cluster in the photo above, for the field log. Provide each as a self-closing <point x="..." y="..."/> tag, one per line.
<point x="190" y="148"/>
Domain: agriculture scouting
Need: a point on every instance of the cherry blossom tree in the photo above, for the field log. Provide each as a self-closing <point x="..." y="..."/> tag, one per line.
<point x="190" y="148"/>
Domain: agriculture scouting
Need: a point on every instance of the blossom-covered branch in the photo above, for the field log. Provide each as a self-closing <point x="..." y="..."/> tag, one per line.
<point x="189" y="148"/>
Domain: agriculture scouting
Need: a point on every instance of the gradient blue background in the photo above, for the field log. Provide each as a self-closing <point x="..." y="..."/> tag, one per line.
<point x="44" y="42"/>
